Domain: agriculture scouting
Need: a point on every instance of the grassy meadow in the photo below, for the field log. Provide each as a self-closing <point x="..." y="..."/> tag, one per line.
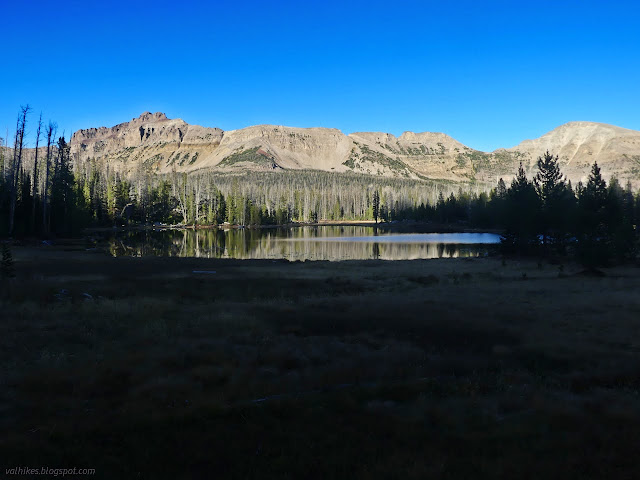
<point x="450" y="368"/>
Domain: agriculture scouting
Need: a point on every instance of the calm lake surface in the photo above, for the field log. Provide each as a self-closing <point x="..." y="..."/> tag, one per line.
<point x="303" y="243"/>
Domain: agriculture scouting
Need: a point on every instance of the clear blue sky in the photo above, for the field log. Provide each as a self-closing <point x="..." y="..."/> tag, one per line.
<point x="489" y="73"/>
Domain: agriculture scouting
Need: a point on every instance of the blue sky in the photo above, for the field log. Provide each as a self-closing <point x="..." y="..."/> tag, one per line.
<point x="490" y="74"/>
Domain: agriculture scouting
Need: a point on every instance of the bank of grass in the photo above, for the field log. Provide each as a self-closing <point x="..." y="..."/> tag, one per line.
<point x="452" y="368"/>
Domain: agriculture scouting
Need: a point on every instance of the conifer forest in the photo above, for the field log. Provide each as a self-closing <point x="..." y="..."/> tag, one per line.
<point x="43" y="192"/>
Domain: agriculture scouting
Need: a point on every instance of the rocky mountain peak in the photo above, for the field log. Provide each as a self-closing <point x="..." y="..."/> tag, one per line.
<point x="151" y="117"/>
<point x="156" y="143"/>
<point x="579" y="144"/>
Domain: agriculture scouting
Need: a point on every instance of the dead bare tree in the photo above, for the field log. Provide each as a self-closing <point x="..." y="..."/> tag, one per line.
<point x="182" y="196"/>
<point x="5" y="160"/>
<point x="2" y="163"/>
<point x="35" y="175"/>
<point x="51" y="133"/>
<point x="17" y="163"/>
<point x="198" y="199"/>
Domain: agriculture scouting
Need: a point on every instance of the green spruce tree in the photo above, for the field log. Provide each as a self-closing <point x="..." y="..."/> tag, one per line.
<point x="376" y="205"/>
<point x="521" y="212"/>
<point x="593" y="238"/>
<point x="555" y="201"/>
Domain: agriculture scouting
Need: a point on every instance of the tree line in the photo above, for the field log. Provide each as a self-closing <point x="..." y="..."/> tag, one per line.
<point x="53" y="195"/>
<point x="43" y="191"/>
<point x="40" y="199"/>
<point x="595" y="221"/>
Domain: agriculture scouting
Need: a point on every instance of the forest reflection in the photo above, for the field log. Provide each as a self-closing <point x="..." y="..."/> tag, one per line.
<point x="300" y="243"/>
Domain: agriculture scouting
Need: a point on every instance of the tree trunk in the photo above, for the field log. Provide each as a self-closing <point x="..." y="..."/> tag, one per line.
<point x="45" y="219"/>
<point x="35" y="176"/>
<point x="17" y="163"/>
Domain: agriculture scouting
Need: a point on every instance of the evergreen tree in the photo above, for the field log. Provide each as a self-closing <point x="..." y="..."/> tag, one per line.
<point x="522" y="206"/>
<point x="619" y="219"/>
<point x="501" y="190"/>
<point x="555" y="201"/>
<point x="63" y="192"/>
<point x="496" y="206"/>
<point x="376" y="205"/>
<point x="440" y="208"/>
<point x="593" y="248"/>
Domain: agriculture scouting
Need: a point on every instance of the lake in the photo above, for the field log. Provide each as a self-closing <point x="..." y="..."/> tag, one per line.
<point x="303" y="243"/>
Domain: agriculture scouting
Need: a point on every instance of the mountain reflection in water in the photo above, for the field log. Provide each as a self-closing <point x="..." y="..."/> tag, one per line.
<point x="302" y="243"/>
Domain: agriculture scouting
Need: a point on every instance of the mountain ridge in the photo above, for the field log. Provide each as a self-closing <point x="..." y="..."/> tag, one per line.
<point x="154" y="142"/>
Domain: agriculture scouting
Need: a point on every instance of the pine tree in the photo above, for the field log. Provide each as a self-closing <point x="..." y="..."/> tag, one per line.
<point x="554" y="198"/>
<point x="63" y="191"/>
<point x="521" y="211"/>
<point x="376" y="205"/>
<point x="501" y="190"/>
<point x="593" y="241"/>
<point x="548" y="179"/>
<point x="595" y="192"/>
<point x="619" y="221"/>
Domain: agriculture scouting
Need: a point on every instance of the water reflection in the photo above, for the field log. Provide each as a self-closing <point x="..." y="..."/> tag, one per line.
<point x="301" y="243"/>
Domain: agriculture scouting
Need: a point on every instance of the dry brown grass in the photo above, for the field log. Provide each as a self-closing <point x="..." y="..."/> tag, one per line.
<point x="451" y="368"/>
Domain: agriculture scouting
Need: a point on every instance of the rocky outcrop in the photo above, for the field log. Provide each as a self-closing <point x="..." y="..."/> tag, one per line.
<point x="579" y="144"/>
<point x="156" y="143"/>
<point x="294" y="148"/>
<point x="414" y="155"/>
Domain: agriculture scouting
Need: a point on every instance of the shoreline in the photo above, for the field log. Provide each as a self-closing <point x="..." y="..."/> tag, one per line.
<point x="404" y="225"/>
